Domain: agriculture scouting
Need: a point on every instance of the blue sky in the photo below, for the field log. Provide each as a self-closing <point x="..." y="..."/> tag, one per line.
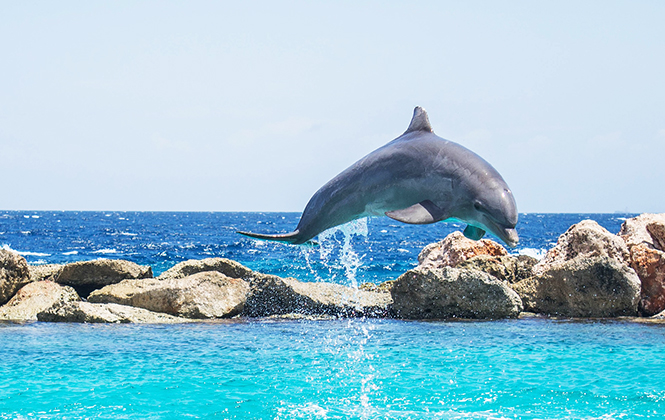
<point x="252" y="106"/>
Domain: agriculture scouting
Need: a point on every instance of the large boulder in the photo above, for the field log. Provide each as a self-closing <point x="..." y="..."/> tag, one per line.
<point x="208" y="294"/>
<point x="585" y="239"/>
<point x="225" y="266"/>
<point x="645" y="237"/>
<point x="272" y="295"/>
<point x="456" y="248"/>
<point x="582" y="287"/>
<point x="14" y="274"/>
<point x="105" y="313"/>
<point x="447" y="292"/>
<point x="36" y="297"/>
<point x="86" y="276"/>
<point x="505" y="267"/>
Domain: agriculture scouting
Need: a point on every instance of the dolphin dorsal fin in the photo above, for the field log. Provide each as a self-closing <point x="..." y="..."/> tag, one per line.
<point x="419" y="122"/>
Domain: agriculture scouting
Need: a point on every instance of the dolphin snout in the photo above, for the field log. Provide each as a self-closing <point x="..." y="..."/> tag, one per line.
<point x="510" y="237"/>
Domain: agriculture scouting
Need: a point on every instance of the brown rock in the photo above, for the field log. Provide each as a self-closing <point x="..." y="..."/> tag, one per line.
<point x="225" y="266"/>
<point x="36" y="297"/>
<point x="272" y="295"/>
<point x="45" y="272"/>
<point x="86" y="276"/>
<point x="447" y="292"/>
<point x="582" y="287"/>
<point x="649" y="264"/>
<point x="507" y="268"/>
<point x="14" y="274"/>
<point x="208" y="294"/>
<point x="105" y="313"/>
<point x="585" y="239"/>
<point x="456" y="248"/>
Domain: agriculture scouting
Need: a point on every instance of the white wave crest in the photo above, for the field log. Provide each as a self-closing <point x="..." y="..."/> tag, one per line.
<point x="106" y="251"/>
<point x="533" y="252"/>
<point x="25" y="253"/>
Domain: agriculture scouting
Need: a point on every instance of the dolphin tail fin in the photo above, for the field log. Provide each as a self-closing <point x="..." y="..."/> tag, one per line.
<point x="288" y="238"/>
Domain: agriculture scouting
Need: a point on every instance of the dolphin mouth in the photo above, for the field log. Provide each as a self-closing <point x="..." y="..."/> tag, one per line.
<point x="510" y="237"/>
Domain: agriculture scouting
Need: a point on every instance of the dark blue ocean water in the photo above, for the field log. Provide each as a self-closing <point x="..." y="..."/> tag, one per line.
<point x="304" y="369"/>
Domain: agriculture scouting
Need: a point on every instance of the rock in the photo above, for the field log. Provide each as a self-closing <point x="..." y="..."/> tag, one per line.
<point x="36" y="297"/>
<point x="208" y="294"/>
<point x="660" y="316"/>
<point x="424" y="293"/>
<point x="585" y="239"/>
<point x="14" y="274"/>
<point x="86" y="276"/>
<point x="225" y="266"/>
<point x="384" y="287"/>
<point x="456" y="248"/>
<point x="645" y="237"/>
<point x="505" y="267"/>
<point x="582" y="287"/>
<point x="644" y="229"/>
<point x="45" y="272"/>
<point x="649" y="264"/>
<point x="272" y="295"/>
<point x="105" y="313"/>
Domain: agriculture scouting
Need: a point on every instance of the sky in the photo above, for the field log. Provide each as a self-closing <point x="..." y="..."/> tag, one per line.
<point x="253" y="106"/>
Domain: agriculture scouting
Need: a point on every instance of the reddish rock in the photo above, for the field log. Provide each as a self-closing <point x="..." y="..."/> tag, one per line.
<point x="456" y="248"/>
<point x="634" y="231"/>
<point x="649" y="264"/>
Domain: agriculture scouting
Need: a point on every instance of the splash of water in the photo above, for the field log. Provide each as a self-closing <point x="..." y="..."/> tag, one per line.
<point x="336" y="253"/>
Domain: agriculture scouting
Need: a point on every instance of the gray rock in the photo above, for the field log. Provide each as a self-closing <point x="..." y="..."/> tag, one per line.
<point x="208" y="294"/>
<point x="585" y="239"/>
<point x="45" y="272"/>
<point x="225" y="266"/>
<point x="86" y="276"/>
<point x="507" y="268"/>
<point x="36" y="297"/>
<point x="582" y="287"/>
<point x="105" y="313"/>
<point x="14" y="274"/>
<point x="456" y="248"/>
<point x="272" y="295"/>
<point x="448" y="292"/>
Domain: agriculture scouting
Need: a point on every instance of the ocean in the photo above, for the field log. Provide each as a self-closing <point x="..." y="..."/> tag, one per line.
<point x="534" y="368"/>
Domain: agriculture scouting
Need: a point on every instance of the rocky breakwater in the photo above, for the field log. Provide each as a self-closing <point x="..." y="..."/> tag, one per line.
<point x="587" y="274"/>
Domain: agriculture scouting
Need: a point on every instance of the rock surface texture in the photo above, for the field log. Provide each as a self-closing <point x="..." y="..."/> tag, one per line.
<point x="225" y="266"/>
<point x="37" y="297"/>
<point x="447" y="292"/>
<point x="105" y="313"/>
<point x="86" y="276"/>
<point x="585" y="275"/>
<point x="14" y="274"/>
<point x="272" y="295"/>
<point x="645" y="237"/>
<point x="207" y="294"/>
<point x="582" y="287"/>
<point x="585" y="239"/>
<point x="456" y="248"/>
<point x="507" y="268"/>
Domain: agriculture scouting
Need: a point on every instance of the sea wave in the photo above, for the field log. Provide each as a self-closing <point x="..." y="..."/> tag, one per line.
<point x="533" y="252"/>
<point x="107" y="251"/>
<point x="25" y="253"/>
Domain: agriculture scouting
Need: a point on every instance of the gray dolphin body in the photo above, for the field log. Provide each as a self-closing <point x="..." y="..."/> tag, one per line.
<point x="418" y="178"/>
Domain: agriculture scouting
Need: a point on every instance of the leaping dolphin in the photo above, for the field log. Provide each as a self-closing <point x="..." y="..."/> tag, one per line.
<point x="418" y="178"/>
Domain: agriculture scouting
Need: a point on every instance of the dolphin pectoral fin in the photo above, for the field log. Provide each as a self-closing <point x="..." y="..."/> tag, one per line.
<point x="422" y="213"/>
<point x="473" y="232"/>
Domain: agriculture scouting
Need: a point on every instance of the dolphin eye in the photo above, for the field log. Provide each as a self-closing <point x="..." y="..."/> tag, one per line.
<point x="478" y="206"/>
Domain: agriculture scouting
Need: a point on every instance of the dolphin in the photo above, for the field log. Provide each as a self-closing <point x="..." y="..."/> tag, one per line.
<point x="418" y="178"/>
